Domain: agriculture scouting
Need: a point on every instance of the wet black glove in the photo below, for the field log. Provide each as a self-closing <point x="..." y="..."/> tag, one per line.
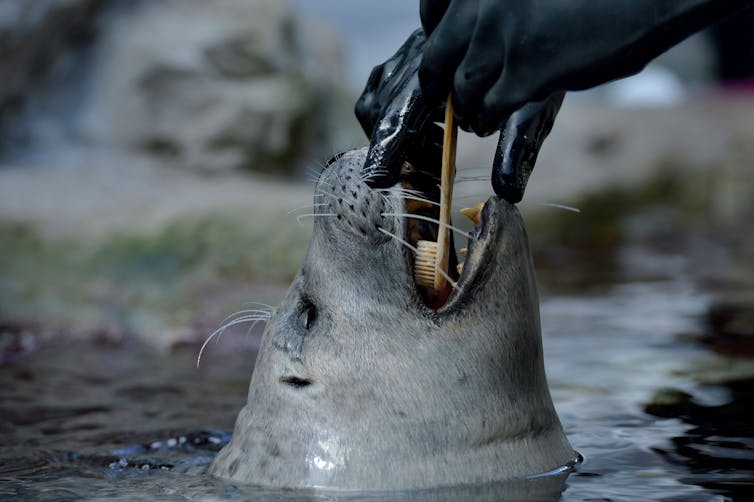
<point x="400" y="123"/>
<point x="499" y="55"/>
<point x="394" y="115"/>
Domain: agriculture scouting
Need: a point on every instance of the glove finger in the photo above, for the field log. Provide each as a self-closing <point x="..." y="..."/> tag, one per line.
<point x="398" y="114"/>
<point x="480" y="68"/>
<point x="446" y="48"/>
<point x="431" y="12"/>
<point x="367" y="107"/>
<point x="426" y="154"/>
<point x="519" y="144"/>
<point x="402" y="124"/>
<point x="499" y="103"/>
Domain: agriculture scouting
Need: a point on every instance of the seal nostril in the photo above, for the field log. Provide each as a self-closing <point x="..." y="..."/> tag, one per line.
<point x="295" y="382"/>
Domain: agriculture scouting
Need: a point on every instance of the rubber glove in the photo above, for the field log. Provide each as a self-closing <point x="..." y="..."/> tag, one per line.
<point x="394" y="114"/>
<point x="498" y="55"/>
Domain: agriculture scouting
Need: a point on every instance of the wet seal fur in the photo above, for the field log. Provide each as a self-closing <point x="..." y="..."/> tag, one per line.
<point x="358" y="385"/>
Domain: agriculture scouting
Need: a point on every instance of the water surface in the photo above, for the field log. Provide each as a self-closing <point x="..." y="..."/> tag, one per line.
<point x="102" y="421"/>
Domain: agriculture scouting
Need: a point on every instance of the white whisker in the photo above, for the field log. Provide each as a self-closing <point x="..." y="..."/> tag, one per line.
<point x="248" y="311"/>
<point x="306" y="207"/>
<point x="421" y="199"/>
<point x="453" y="283"/>
<point x="312" y="215"/>
<point x="412" y="195"/>
<point x="336" y="197"/>
<point x="466" y="179"/>
<point x="315" y="172"/>
<point x="266" y="305"/>
<point x="555" y="205"/>
<point x="368" y="174"/>
<point x="251" y="326"/>
<point x="412" y="248"/>
<point x="432" y="220"/>
<point x="222" y="328"/>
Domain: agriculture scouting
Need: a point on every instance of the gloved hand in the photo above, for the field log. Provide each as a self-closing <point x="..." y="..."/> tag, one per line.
<point x="394" y="114"/>
<point x="497" y="55"/>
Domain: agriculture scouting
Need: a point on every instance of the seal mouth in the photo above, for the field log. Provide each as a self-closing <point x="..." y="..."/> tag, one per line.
<point x="422" y="224"/>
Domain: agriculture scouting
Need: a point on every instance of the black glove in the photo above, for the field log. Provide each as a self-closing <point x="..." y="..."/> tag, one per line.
<point x="396" y="118"/>
<point x="497" y="55"/>
<point x="400" y="123"/>
<point x="519" y="144"/>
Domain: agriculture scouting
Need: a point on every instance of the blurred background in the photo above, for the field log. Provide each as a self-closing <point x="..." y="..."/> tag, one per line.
<point x="155" y="155"/>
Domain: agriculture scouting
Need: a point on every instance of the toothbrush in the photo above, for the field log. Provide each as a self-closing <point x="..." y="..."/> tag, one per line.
<point x="431" y="269"/>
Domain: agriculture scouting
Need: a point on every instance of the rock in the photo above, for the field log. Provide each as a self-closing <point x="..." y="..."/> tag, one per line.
<point x="215" y="85"/>
<point x="36" y="36"/>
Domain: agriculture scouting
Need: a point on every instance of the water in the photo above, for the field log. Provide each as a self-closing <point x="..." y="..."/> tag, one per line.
<point x="102" y="421"/>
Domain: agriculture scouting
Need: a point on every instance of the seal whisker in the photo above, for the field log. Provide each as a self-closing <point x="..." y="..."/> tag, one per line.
<point x="370" y="173"/>
<point x="306" y="207"/>
<point x="453" y="283"/>
<point x="412" y="195"/>
<point x="402" y="241"/>
<point x="422" y="199"/>
<point x="268" y="313"/>
<point x="555" y="205"/>
<point x="312" y="215"/>
<point x="315" y="172"/>
<point x="222" y="328"/>
<point x="336" y="197"/>
<point x="239" y="320"/>
<point x="266" y="306"/>
<point x="464" y="179"/>
<point x="251" y="326"/>
<point x="432" y="220"/>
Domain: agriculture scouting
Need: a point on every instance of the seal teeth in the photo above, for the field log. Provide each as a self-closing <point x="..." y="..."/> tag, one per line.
<point x="472" y="213"/>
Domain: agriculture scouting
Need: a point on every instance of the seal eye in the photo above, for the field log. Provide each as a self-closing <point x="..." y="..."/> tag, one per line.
<point x="308" y="315"/>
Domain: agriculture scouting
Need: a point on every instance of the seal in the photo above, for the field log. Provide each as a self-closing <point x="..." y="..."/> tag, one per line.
<point x="362" y="382"/>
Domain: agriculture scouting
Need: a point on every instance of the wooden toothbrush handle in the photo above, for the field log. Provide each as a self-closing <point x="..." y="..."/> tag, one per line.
<point x="446" y="193"/>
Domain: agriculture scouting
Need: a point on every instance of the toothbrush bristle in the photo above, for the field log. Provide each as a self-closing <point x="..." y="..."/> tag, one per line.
<point x="426" y="262"/>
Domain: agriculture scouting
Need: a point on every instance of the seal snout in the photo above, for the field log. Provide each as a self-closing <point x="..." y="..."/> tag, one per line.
<point x="343" y="195"/>
<point x="406" y="214"/>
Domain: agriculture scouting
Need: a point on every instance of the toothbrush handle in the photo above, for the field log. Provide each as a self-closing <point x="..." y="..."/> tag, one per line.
<point x="446" y="193"/>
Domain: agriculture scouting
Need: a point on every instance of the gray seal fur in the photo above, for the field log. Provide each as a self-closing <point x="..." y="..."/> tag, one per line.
<point x="359" y="385"/>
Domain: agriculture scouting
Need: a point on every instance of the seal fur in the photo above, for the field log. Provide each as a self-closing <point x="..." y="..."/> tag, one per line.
<point x="359" y="385"/>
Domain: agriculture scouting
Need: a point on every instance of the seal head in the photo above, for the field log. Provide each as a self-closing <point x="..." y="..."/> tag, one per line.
<point x="359" y="384"/>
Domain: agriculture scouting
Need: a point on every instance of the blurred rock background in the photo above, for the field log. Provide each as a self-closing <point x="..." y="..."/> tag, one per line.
<point x="151" y="151"/>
